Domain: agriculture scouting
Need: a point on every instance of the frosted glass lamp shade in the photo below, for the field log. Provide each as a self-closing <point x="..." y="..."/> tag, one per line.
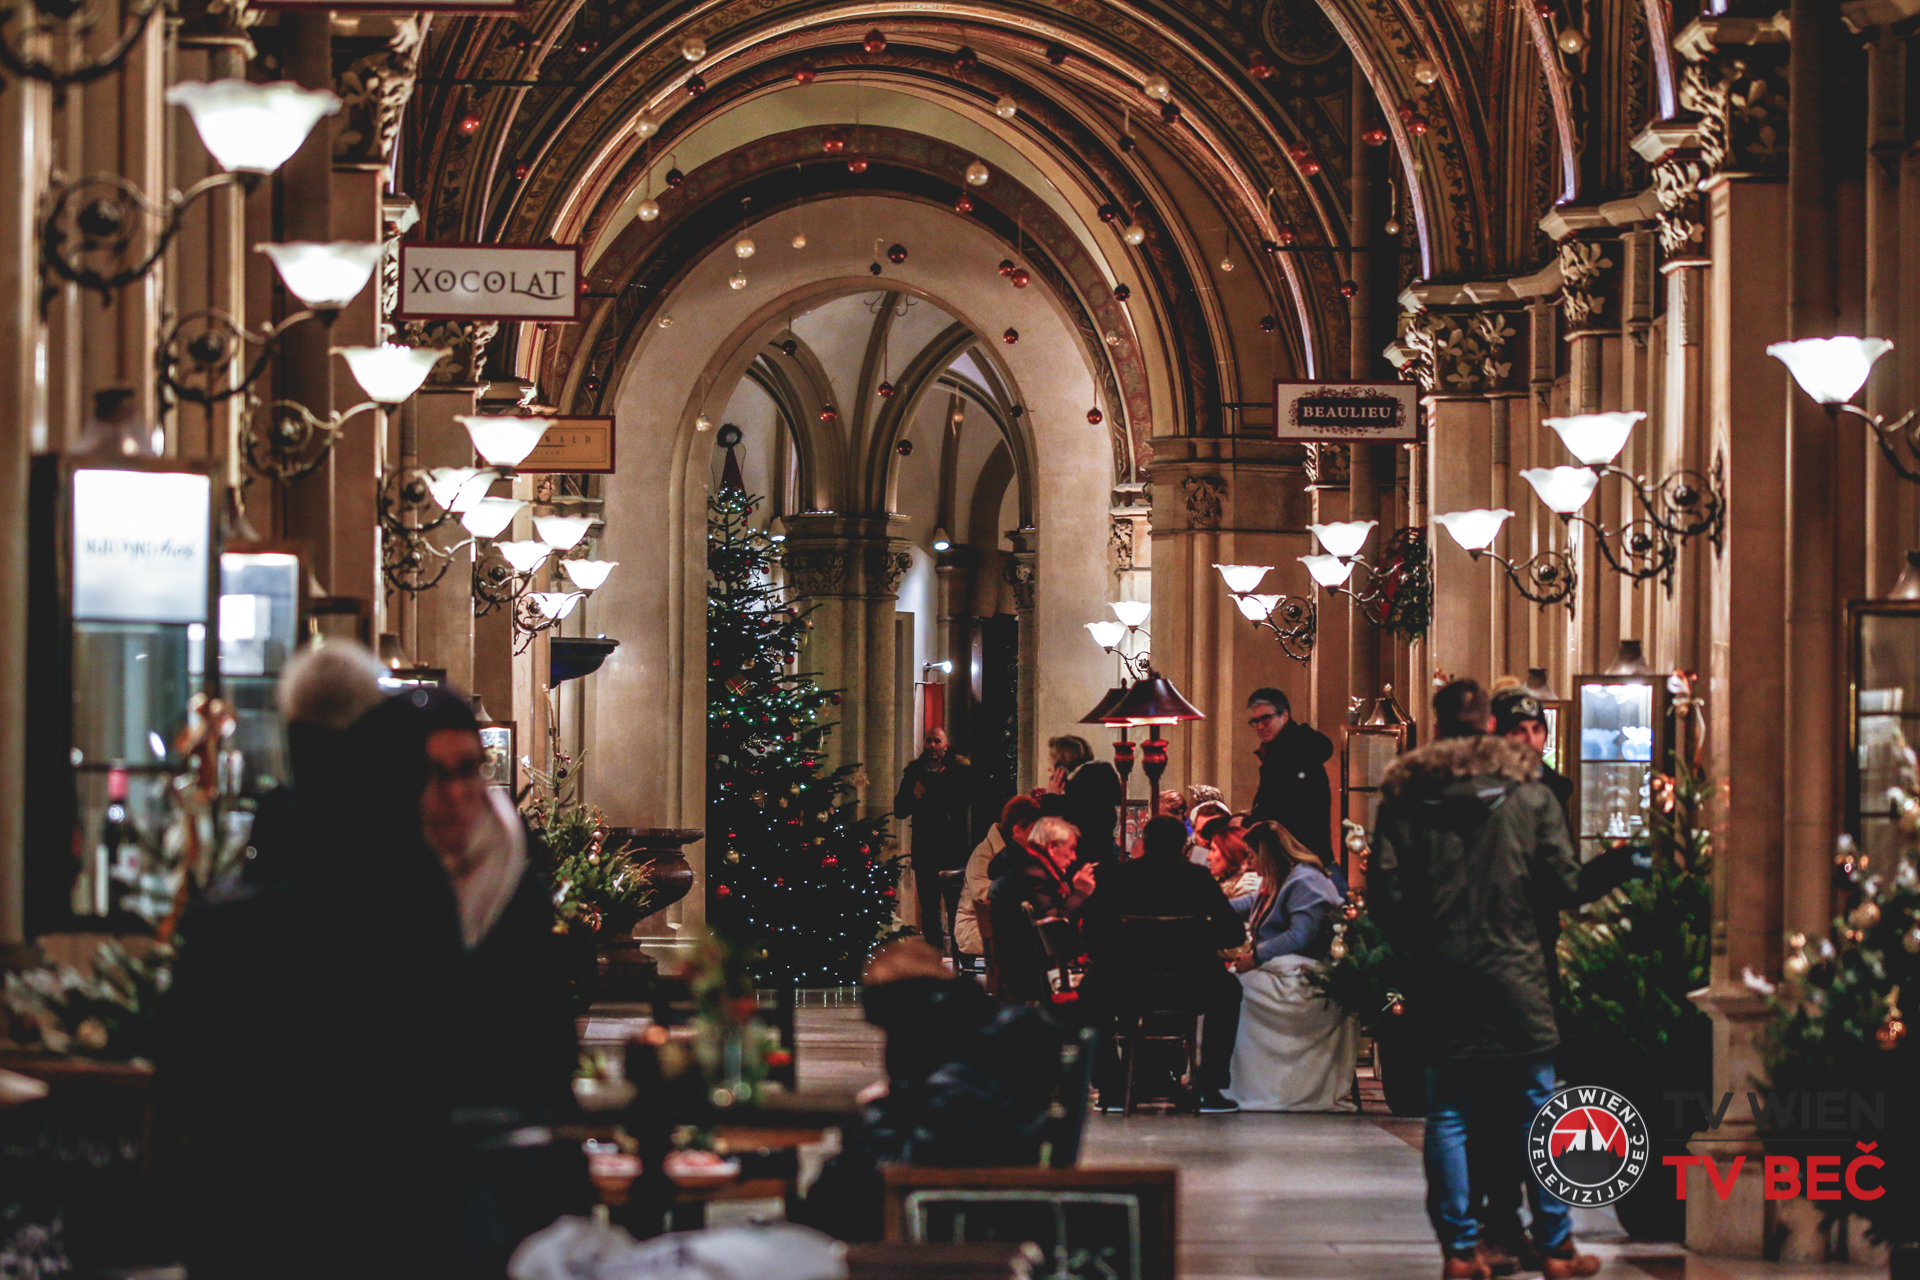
<point x="1564" y="489"/>
<point x="1476" y="529"/>
<point x="1132" y="613"/>
<point x="487" y="517"/>
<point x="1830" y="370"/>
<point x="1345" y="537"/>
<point x="1595" y="438"/>
<point x="1107" y="633"/>
<point x="390" y="373"/>
<point x="446" y="484"/>
<point x="1255" y="608"/>
<point x="1242" y="578"/>
<point x="554" y="605"/>
<point x="252" y="128"/>
<point x="325" y="277"/>
<point x="504" y="441"/>
<point x="1328" y="571"/>
<point x="562" y="533"/>
<point x="588" y="575"/>
<point x="526" y="556"/>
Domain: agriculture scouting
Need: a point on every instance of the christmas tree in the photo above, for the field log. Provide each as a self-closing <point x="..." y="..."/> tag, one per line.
<point x="793" y="873"/>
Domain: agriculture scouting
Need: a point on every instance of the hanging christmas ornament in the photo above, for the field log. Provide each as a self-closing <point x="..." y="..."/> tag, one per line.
<point x="884" y="390"/>
<point x="804" y="73"/>
<point x="833" y="141"/>
<point x="1891" y="1032"/>
<point x="1375" y="137"/>
<point x="1169" y="113"/>
<point x="1012" y="336"/>
<point x="897" y="254"/>
<point x="1337" y="949"/>
<point x="965" y="59"/>
<point x="469" y="122"/>
<point x="977" y="174"/>
<point x="645" y="127"/>
<point x="1020" y="278"/>
<point x="1260" y="67"/>
<point x="693" y="48"/>
<point x="828" y="413"/>
<point x="743" y="247"/>
<point x="1268" y="324"/>
<point x="1113" y="338"/>
<point x="1391" y="226"/>
<point x="1108" y="212"/>
<point x="1121" y="292"/>
<point x="1572" y="42"/>
<point x="1127" y="144"/>
<point x="904" y="448"/>
<point x="1057" y="54"/>
<point x="1348" y="288"/>
<point x="1018" y="411"/>
<point x="788" y="347"/>
<point x="737" y="281"/>
<point x="875" y="41"/>
<point x="856" y="164"/>
<point x="1396" y="1006"/>
<point x="1226" y="264"/>
<point x="873" y="268"/>
<point x="1865" y="916"/>
<point x="703" y="423"/>
<point x="666" y="322"/>
<point x="521" y="170"/>
<point x="1156" y="87"/>
<point x="1135" y="234"/>
<point x="675" y="177"/>
<point x="799" y="240"/>
<point x="696" y="85"/>
<point x="1284" y="235"/>
<point x="1006" y="266"/>
<point x="1304" y="161"/>
<point x="1796" y="965"/>
<point x="587" y="46"/>
<point x="1006" y="108"/>
<point x="964" y="204"/>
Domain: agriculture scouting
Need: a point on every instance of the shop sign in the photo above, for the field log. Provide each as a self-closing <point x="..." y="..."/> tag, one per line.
<point x="1346" y="412"/>
<point x="575" y="446"/>
<point x="142" y="546"/>
<point x="489" y="282"/>
<point x="395" y="6"/>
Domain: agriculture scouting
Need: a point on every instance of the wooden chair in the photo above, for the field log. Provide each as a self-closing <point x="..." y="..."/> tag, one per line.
<point x="1150" y="994"/>
<point x="992" y="979"/>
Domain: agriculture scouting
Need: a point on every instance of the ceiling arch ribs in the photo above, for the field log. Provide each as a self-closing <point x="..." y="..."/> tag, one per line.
<point x="995" y="405"/>
<point x="817" y="443"/>
<point x="897" y="412"/>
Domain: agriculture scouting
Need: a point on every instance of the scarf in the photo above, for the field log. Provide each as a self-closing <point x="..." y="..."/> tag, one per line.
<point x="497" y="856"/>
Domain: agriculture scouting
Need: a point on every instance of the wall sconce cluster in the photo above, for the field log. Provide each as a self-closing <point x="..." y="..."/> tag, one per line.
<point x="504" y="579"/>
<point x="1831" y="371"/>
<point x="28" y="29"/>
<point x="1292" y="620"/>
<point x="1399" y="592"/>
<point x="1123" y="636"/>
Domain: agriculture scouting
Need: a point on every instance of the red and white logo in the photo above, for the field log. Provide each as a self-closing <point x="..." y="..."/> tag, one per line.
<point x="1588" y="1146"/>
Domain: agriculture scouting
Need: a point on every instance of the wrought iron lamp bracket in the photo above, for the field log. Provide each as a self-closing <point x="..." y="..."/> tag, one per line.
<point x="94" y="229"/>
<point x="294" y="441"/>
<point x="1546" y="578"/>
<point x="1890" y="436"/>
<point x="70" y="22"/>
<point x="195" y="361"/>
<point x="1299" y="622"/>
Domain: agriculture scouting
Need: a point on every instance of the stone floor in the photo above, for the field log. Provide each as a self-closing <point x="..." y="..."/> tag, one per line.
<point x="1287" y="1197"/>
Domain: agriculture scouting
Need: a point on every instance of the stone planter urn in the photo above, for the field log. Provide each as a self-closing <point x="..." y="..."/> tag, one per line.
<point x="625" y="971"/>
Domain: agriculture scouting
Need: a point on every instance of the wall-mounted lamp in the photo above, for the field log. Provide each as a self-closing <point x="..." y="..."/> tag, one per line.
<point x="776" y="530"/>
<point x="944" y="667"/>
<point x="940" y="540"/>
<point x="1399" y="594"/>
<point x="1831" y="371"/>
<point x="1292" y="620"/>
<point x="1122" y="635"/>
<point x="1547" y="578"/>
<point x="66" y="24"/>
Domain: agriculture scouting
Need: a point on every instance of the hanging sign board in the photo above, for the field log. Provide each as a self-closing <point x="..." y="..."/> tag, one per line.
<point x="396" y="6"/>
<point x="142" y="546"/>
<point x="577" y="446"/>
<point x="1346" y="412"/>
<point x="489" y="282"/>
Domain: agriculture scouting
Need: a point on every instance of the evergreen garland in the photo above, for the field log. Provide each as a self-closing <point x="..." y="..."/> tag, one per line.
<point x="794" y="874"/>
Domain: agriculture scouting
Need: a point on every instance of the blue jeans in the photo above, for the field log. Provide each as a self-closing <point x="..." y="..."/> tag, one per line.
<point x="1454" y="1089"/>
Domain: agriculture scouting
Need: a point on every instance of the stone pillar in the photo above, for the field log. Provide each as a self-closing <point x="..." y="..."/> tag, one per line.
<point x="1340" y="620"/>
<point x="1022" y="570"/>
<point x="305" y="373"/>
<point x="443" y="634"/>
<point x="1460" y="477"/>
<point x="953" y="607"/>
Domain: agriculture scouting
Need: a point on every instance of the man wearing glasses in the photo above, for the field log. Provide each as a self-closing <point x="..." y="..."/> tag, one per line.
<point x="1294" y="791"/>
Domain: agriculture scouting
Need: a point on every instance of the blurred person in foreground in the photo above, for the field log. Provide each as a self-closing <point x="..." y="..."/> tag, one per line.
<point x="1017" y="817"/>
<point x="1467" y="844"/>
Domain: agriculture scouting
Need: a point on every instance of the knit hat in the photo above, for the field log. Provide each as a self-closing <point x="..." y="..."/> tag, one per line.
<point x="1514" y="707"/>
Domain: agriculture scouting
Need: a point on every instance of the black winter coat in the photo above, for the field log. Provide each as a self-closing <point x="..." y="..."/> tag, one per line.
<point x="1469" y="847"/>
<point x="942" y="822"/>
<point x="1017" y="950"/>
<point x="1158" y="886"/>
<point x="1091" y="802"/>
<point x="1294" y="790"/>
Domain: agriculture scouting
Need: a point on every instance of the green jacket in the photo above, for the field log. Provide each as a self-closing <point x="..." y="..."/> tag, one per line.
<point x="1468" y="848"/>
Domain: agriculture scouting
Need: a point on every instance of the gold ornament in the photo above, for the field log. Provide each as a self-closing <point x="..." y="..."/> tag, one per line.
<point x="1912" y="940"/>
<point x="1337" y="951"/>
<point x="1891" y="1032"/>
<point x="1796" y="965"/>
<point x="1865" y="916"/>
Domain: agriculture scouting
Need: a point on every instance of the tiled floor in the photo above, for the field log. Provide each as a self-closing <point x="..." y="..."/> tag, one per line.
<point x="1290" y="1197"/>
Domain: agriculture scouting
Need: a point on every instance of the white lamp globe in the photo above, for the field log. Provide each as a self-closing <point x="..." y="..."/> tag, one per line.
<point x="1830" y="370"/>
<point x="1596" y="438"/>
<point x="1132" y="613"/>
<point x="1476" y="529"/>
<point x="562" y="533"/>
<point x="588" y="575"/>
<point x="325" y="277"/>
<point x="488" y="516"/>
<point x="1107" y="633"/>
<point x="390" y="373"/>
<point x="1564" y="489"/>
<point x="446" y="483"/>
<point x="252" y="128"/>
<point x="504" y="441"/>
<point x="1242" y="578"/>
<point x="554" y="605"/>
<point x="1254" y="608"/>
<point x="1345" y="537"/>
<point x="1328" y="571"/>
<point x="526" y="556"/>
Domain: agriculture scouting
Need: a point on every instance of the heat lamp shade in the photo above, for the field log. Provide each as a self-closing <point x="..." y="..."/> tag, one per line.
<point x="1242" y="578"/>
<point x="1132" y="613"/>
<point x="588" y="575"/>
<point x="1475" y="529"/>
<point x="1328" y="571"/>
<point x="487" y="517"/>
<point x="526" y="556"/>
<point x="390" y="373"/>
<point x="1155" y="701"/>
<point x="252" y="128"/>
<point x="1830" y="370"/>
<point x="1564" y="489"/>
<point x="1595" y="438"/>
<point x="562" y="533"/>
<point x="1345" y="537"/>
<point x="1113" y="698"/>
<point x="327" y="276"/>
<point x="1107" y="633"/>
<point x="555" y="605"/>
<point x="504" y="441"/>
<point x="449" y="484"/>
<point x="1254" y="608"/>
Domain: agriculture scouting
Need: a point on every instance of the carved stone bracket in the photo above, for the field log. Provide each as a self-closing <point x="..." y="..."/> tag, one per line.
<point x="1452" y="353"/>
<point x="1329" y="466"/>
<point x="1022" y="575"/>
<point x="1682" y="222"/>
<point x="815" y="571"/>
<point x="886" y="566"/>
<point x="1739" y="91"/>
<point x="468" y="339"/>
<point x="1120" y="540"/>
<point x="1582" y="263"/>
<point x="1206" y="500"/>
<point x="374" y="91"/>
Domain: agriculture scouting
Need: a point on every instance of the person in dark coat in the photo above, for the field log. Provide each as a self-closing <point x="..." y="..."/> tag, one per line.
<point x="1294" y="790"/>
<point x="936" y="792"/>
<point x="1467" y="847"/>
<point x="1048" y="877"/>
<point x="1161" y="882"/>
<point x="1086" y="792"/>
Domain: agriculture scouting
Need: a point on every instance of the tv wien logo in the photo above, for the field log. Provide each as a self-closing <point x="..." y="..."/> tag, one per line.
<point x="1588" y="1146"/>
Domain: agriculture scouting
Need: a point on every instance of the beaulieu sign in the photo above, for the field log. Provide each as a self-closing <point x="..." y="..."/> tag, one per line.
<point x="1346" y="412"/>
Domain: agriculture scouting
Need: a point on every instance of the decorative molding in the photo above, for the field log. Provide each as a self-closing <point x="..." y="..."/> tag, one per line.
<point x="1445" y="355"/>
<point x="1741" y="99"/>
<point x="1023" y="576"/>
<point x="886" y="566"/>
<point x="1120" y="538"/>
<point x="1581" y="264"/>
<point x="1492" y="329"/>
<point x="815" y="571"/>
<point x="1682" y="218"/>
<point x="374" y="92"/>
<point x="468" y="340"/>
<point x="1329" y="466"/>
<point x="1206" y="500"/>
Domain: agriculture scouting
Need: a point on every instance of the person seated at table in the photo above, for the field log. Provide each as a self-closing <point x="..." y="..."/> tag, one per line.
<point x="1017" y="817"/>
<point x="1047" y="877"/>
<point x="1163" y="883"/>
<point x="1295" y="1051"/>
<point x="1198" y="817"/>
<point x="1226" y="838"/>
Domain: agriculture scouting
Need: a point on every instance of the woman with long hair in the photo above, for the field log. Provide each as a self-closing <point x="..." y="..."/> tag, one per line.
<point x="1295" y="1051"/>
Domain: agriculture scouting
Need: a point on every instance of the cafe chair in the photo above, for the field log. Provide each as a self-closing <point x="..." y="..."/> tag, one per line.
<point x="1152" y="997"/>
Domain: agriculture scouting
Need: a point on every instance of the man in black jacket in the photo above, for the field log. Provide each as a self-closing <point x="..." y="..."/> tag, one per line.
<point x="1468" y="847"/>
<point x="1161" y="882"/>
<point x="936" y="792"/>
<point x="1294" y="790"/>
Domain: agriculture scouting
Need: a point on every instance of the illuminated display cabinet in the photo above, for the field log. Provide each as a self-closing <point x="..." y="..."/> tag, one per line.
<point x="1883" y="719"/>
<point x="1367" y="750"/>
<point x="1623" y="721"/>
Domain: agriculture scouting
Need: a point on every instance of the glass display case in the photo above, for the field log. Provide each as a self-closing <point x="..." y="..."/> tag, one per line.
<point x="1367" y="750"/>
<point x="1884" y="718"/>
<point x="1621" y="743"/>
<point x="259" y="631"/>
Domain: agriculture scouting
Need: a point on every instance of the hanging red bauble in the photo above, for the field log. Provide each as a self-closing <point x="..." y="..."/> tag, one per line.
<point x="1375" y="137"/>
<point x="1108" y="212"/>
<point x="904" y="448"/>
<point x="828" y="413"/>
<point x="1285" y="235"/>
<point x="1020" y="278"/>
<point x="1057" y="54"/>
<point x="722" y="891"/>
<point x="586" y="46"/>
<point x="1010" y="337"/>
<point x="833" y="142"/>
<point x="884" y="390"/>
<point x="469" y="122"/>
<point x="1268" y="324"/>
<point x="1348" y="288"/>
<point x="521" y="170"/>
<point x="1260" y="67"/>
<point x="1006" y="266"/>
<point x="873" y="268"/>
<point x="1169" y="113"/>
<point x="828" y="861"/>
<point x="1121" y="292"/>
<point x="1127" y="143"/>
<point x="1417" y="126"/>
<point x="856" y="164"/>
<point x="1544" y="8"/>
<point x="835" y="700"/>
<point x="875" y="41"/>
<point x="965" y="59"/>
<point x="788" y="347"/>
<point x="964" y="204"/>
<point x="696" y="85"/>
<point x="804" y="73"/>
<point x="897" y="254"/>
<point x="1096" y="417"/>
<point x="675" y="177"/>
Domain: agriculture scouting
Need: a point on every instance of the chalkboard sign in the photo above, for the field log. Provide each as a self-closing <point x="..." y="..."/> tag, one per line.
<point x="1087" y="1224"/>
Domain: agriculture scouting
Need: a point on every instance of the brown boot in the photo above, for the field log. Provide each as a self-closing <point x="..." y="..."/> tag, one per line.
<point x="1499" y="1260"/>
<point x="1465" y="1266"/>
<point x="1567" y="1261"/>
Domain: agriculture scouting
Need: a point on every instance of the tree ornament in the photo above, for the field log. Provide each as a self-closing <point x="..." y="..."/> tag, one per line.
<point x="675" y="177"/>
<point x="1121" y="292"/>
<point x="1392" y="226"/>
<point x="1135" y="234"/>
<point x="696" y="85"/>
<point x="1113" y="338"/>
<point x="521" y="170"/>
<point x="1226" y="264"/>
<point x="875" y="41"/>
<point x="737" y="281"/>
<point x="1010" y="337"/>
<point x="1169" y="113"/>
<point x="469" y="123"/>
<point x="1260" y="67"/>
<point x="833" y="141"/>
<point x="733" y="858"/>
<point x="1108" y="212"/>
<point x="1020" y="278"/>
<point x="856" y="164"/>
<point x="693" y="48"/>
<point x="1268" y="324"/>
<point x="1095" y="417"/>
<point x="828" y="413"/>
<point x="666" y="321"/>
<point x="1006" y="266"/>
<point x="1057" y="54"/>
<point x="964" y="204"/>
<point x="1572" y="42"/>
<point x="896" y="254"/>
<point x="1348" y="288"/>
<point x="1865" y="916"/>
<point x="873" y="268"/>
<point x="978" y="174"/>
<point x="904" y="448"/>
<point x="788" y="347"/>
<point x="1127" y="142"/>
<point x="1156" y="87"/>
<point x="1397" y="1007"/>
<point x="965" y="59"/>
<point x="1891" y="1032"/>
<point x="645" y="127"/>
<point x="647" y="210"/>
<point x="1006" y="108"/>
<point x="743" y="247"/>
<point x="1795" y="966"/>
<point x="884" y="390"/>
<point x="1375" y="137"/>
<point x="799" y="240"/>
<point x="1426" y="73"/>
